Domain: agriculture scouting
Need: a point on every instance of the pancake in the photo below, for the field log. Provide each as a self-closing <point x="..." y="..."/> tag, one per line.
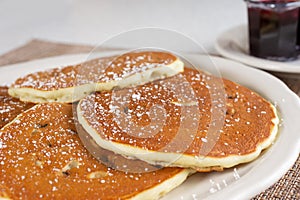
<point x="71" y="83"/>
<point x="121" y="163"/>
<point x="171" y="122"/>
<point x="41" y="156"/>
<point x="10" y="107"/>
<point x="111" y="159"/>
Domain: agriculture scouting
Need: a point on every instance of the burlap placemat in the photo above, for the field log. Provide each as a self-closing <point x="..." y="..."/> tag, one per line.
<point x="286" y="188"/>
<point x="36" y="49"/>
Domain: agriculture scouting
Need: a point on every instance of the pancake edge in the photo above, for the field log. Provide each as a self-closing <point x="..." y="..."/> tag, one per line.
<point x="3" y="194"/>
<point x="180" y="160"/>
<point x="67" y="95"/>
<point x="164" y="187"/>
<point x="153" y="193"/>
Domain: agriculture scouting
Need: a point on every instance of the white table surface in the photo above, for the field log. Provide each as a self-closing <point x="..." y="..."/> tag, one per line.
<point x="94" y="21"/>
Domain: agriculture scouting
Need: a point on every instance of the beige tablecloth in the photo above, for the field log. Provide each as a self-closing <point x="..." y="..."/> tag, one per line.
<point x="288" y="187"/>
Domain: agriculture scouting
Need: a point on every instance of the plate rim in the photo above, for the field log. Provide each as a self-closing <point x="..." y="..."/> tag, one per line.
<point x="264" y="184"/>
<point x="247" y="59"/>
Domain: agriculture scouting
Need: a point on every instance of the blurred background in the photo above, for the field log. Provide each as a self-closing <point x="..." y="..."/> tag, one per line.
<point x="94" y="21"/>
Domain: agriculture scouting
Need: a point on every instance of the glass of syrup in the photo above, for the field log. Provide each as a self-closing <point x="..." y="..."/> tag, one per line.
<point x="298" y="38"/>
<point x="274" y="29"/>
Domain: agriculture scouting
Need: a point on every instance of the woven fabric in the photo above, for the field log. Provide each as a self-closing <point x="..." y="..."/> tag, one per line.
<point x="36" y="49"/>
<point x="286" y="188"/>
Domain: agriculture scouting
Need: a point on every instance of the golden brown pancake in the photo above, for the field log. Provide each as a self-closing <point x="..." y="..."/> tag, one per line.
<point x="10" y="107"/>
<point x="121" y="163"/>
<point x="170" y="122"/>
<point x="71" y="83"/>
<point x="111" y="159"/>
<point x="41" y="156"/>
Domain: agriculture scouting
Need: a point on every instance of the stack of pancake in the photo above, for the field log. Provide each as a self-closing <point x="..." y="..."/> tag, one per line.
<point x="132" y="126"/>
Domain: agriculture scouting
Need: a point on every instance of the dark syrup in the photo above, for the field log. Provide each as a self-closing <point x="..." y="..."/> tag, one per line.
<point x="298" y="33"/>
<point x="273" y="32"/>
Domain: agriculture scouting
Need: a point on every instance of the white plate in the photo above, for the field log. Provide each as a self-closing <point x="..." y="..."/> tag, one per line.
<point x="234" y="44"/>
<point x="242" y="182"/>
